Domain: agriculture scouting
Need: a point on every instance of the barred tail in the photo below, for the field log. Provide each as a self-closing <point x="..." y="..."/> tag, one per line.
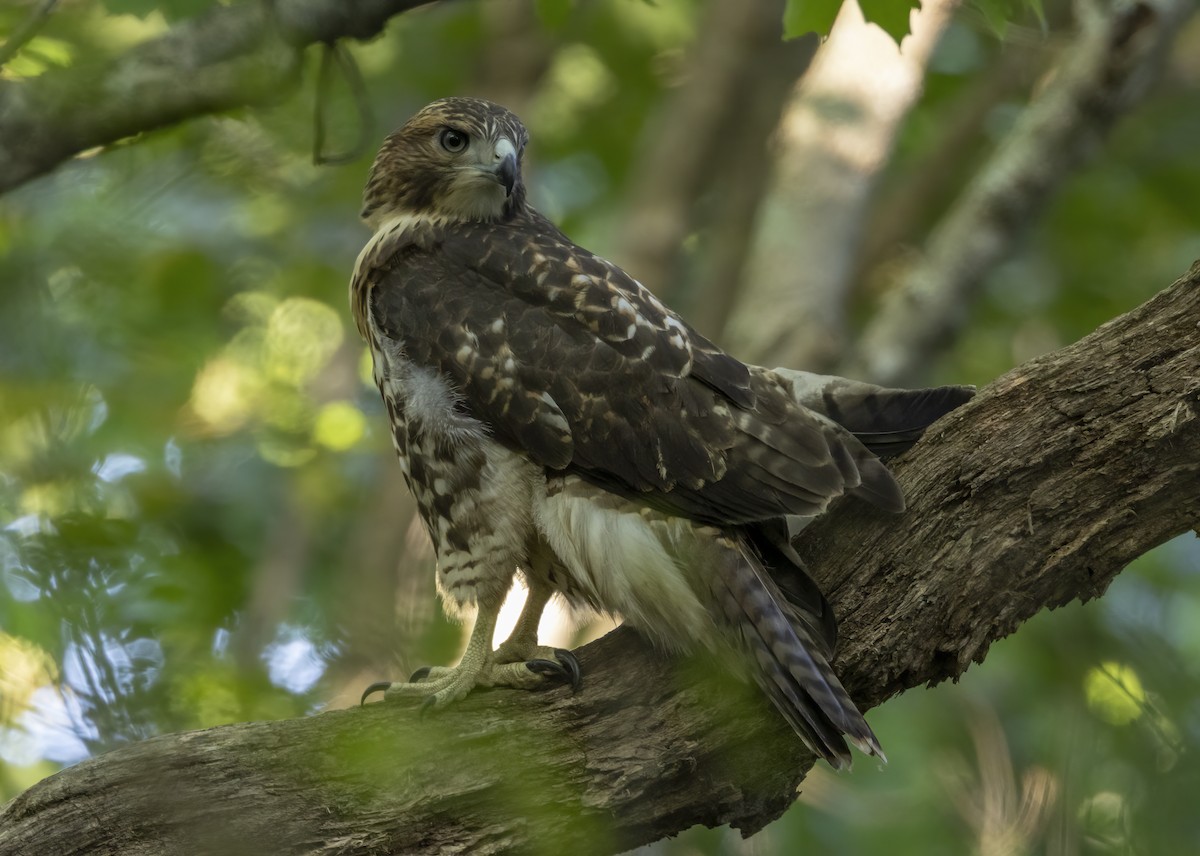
<point x="793" y="669"/>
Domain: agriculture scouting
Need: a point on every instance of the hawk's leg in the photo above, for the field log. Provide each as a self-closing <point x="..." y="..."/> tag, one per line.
<point x="522" y="646"/>
<point x="480" y="665"/>
<point x="441" y="686"/>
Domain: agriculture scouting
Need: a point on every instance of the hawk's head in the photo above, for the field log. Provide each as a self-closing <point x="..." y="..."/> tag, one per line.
<point x="458" y="159"/>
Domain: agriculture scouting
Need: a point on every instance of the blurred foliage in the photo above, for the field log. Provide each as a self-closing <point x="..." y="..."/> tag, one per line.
<point x="999" y="14"/>
<point x="198" y="514"/>
<point x="816" y="16"/>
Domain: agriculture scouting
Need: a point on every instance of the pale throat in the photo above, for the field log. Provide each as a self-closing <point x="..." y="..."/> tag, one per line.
<point x="472" y="197"/>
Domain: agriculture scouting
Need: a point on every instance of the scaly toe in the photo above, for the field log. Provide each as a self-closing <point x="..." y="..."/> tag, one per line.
<point x="533" y="674"/>
<point x="431" y="686"/>
<point x="520" y="675"/>
<point x="450" y="689"/>
<point x="438" y="686"/>
<point x="428" y="674"/>
<point x="429" y="683"/>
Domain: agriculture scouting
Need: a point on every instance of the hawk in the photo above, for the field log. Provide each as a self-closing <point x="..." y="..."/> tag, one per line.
<point x="554" y="419"/>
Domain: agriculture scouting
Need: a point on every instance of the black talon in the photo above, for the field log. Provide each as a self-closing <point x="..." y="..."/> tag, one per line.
<point x="378" y="686"/>
<point x="426" y="706"/>
<point x="571" y="664"/>
<point x="549" y="668"/>
<point x="566" y="669"/>
<point x="419" y="675"/>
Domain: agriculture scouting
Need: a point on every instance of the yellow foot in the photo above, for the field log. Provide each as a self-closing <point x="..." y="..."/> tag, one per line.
<point x="440" y="686"/>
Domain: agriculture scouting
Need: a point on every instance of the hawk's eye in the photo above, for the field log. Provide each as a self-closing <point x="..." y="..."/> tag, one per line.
<point x="453" y="141"/>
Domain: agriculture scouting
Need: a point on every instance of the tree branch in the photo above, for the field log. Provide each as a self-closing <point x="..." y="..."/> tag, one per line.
<point x="832" y="146"/>
<point x="1035" y="494"/>
<point x="689" y="134"/>
<point x="229" y="57"/>
<point x="932" y="179"/>
<point x="1101" y="77"/>
<point x="715" y="274"/>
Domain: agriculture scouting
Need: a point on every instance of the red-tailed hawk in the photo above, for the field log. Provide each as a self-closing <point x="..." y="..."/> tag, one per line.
<point x="554" y="419"/>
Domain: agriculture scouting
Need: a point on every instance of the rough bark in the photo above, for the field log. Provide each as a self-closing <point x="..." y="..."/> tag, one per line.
<point x="1035" y="494"/>
<point x="229" y="57"/>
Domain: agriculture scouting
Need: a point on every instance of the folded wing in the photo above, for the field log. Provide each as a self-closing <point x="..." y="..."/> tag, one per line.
<point x="564" y="356"/>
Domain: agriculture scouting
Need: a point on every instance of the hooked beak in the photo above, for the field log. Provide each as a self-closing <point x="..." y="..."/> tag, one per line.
<point x="506" y="170"/>
<point x="507" y="173"/>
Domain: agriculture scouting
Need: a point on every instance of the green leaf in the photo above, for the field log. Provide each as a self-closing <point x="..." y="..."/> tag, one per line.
<point x="1036" y="6"/>
<point x="1114" y="693"/>
<point x="40" y="54"/>
<point x="893" y="16"/>
<point x="553" y="14"/>
<point x="801" y="17"/>
<point x="996" y="14"/>
<point x="172" y="10"/>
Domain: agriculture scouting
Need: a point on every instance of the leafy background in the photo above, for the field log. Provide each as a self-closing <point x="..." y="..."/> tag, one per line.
<point x="200" y="518"/>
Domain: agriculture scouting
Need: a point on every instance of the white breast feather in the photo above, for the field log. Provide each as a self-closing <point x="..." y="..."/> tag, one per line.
<point x="634" y="565"/>
<point x="427" y="396"/>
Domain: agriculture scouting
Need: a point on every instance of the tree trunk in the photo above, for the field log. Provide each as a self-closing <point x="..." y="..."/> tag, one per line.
<point x="1035" y="494"/>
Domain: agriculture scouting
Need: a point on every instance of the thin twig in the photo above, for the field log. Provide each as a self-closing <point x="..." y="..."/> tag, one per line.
<point x="336" y="53"/>
<point x="228" y="57"/>
<point x="26" y="31"/>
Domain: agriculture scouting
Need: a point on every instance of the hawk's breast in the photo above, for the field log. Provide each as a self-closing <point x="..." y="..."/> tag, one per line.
<point x="472" y="493"/>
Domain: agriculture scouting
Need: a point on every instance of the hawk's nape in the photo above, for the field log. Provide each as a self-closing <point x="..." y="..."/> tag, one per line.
<point x="554" y="419"/>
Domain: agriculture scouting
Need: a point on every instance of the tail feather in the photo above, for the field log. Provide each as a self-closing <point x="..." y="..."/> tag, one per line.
<point x="803" y="600"/>
<point x="792" y="671"/>
<point x="886" y="421"/>
<point x="815" y="730"/>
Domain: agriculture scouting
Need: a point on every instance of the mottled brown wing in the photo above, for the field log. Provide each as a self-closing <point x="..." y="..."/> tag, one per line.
<point x="562" y="355"/>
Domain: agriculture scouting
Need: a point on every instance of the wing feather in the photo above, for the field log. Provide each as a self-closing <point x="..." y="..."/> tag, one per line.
<point x="565" y="357"/>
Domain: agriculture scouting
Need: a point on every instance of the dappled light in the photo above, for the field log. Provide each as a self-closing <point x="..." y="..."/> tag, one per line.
<point x="1114" y="693"/>
<point x="24" y="668"/>
<point x="261" y="379"/>
<point x="202" y="521"/>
